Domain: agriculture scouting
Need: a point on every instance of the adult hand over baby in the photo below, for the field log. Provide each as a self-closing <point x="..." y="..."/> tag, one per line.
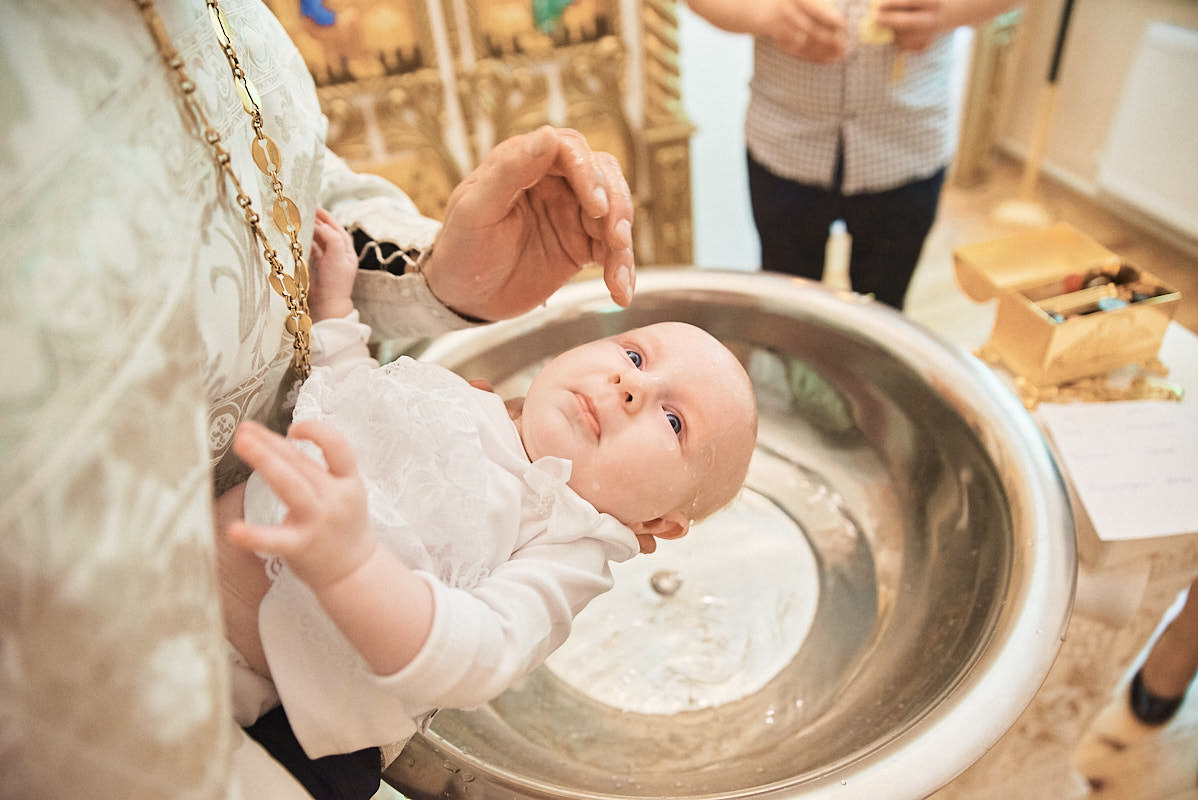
<point x="538" y="209"/>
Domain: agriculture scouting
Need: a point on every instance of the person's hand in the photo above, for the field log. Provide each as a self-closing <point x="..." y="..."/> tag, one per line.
<point x="812" y="30"/>
<point x="916" y="23"/>
<point x="326" y="534"/>
<point x="334" y="265"/>
<point x="538" y="209"/>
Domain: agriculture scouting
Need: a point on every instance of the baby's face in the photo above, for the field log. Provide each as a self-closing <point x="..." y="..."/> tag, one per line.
<point x="657" y="420"/>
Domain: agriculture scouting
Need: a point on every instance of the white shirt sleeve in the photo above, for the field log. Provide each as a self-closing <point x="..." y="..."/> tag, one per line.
<point x="488" y="637"/>
<point x="395" y="306"/>
<point x="373" y="204"/>
<point x="484" y="638"/>
<point x="340" y="344"/>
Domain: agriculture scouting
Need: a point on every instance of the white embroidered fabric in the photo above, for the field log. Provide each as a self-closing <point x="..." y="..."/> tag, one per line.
<point x="424" y="467"/>
<point x="136" y="311"/>
<point x="452" y="493"/>
<point x="139" y="330"/>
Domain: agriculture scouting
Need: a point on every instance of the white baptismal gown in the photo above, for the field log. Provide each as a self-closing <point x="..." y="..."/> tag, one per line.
<point x="510" y="551"/>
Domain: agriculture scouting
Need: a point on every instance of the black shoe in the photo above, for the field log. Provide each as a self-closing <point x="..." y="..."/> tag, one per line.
<point x="1148" y="708"/>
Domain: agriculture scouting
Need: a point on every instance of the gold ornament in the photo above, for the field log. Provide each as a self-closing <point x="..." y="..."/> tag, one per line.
<point x="292" y="288"/>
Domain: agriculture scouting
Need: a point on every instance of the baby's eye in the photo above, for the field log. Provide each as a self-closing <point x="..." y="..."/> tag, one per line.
<point x="675" y="421"/>
<point x="636" y="358"/>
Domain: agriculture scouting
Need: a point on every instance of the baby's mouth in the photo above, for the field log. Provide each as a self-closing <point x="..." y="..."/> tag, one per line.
<point x="587" y="410"/>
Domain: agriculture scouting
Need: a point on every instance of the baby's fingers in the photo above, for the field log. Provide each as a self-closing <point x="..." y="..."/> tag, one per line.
<point x="280" y="540"/>
<point x="290" y="474"/>
<point x="338" y="455"/>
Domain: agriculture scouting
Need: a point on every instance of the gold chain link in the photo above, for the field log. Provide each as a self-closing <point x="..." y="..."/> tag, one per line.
<point x="292" y="288"/>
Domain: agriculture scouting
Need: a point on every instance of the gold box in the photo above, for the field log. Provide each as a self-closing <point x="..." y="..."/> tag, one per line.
<point x="1048" y="326"/>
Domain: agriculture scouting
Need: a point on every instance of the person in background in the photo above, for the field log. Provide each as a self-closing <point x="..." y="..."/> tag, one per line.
<point x="161" y="162"/>
<point x="848" y="118"/>
<point x="1159" y="686"/>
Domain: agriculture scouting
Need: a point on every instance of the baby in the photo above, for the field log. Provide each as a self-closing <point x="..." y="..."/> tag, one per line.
<point x="426" y="544"/>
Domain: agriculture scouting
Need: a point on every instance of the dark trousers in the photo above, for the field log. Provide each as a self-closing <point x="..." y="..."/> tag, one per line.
<point x="888" y="228"/>
<point x="352" y="776"/>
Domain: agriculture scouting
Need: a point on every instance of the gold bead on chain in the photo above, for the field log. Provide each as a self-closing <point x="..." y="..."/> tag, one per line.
<point x="292" y="288"/>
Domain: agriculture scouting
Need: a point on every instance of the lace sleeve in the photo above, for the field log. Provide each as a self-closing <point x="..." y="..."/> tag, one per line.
<point x="395" y="306"/>
<point x="370" y="203"/>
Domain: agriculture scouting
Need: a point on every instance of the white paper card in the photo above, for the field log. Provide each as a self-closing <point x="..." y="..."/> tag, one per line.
<point x="1134" y="464"/>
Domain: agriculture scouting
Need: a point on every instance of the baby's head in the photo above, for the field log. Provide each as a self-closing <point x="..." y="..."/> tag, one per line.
<point x="660" y="423"/>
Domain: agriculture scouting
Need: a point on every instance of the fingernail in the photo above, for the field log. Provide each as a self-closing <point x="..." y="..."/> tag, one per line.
<point x="537" y="142"/>
<point x="624" y="232"/>
<point x="625" y="281"/>
<point x="601" y="196"/>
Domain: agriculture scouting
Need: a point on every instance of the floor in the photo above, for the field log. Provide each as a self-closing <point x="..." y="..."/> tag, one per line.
<point x="1123" y="759"/>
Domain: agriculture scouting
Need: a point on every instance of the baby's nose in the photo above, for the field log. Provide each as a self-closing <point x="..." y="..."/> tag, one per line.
<point x="634" y="388"/>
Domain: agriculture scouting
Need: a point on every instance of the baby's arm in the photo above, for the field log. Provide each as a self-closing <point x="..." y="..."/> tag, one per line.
<point x="384" y="610"/>
<point x="489" y="636"/>
<point x="334" y="268"/>
<point x="338" y="338"/>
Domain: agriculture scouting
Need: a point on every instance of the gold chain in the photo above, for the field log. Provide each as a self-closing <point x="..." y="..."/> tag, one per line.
<point x="292" y="288"/>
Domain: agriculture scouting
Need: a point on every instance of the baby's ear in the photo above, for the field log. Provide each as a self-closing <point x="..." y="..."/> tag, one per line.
<point x="672" y="526"/>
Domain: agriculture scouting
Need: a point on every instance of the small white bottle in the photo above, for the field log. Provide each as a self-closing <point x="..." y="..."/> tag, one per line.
<point x="836" y="256"/>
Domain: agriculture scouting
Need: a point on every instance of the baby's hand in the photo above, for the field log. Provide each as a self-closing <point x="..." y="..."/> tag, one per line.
<point x="334" y="268"/>
<point x="326" y="534"/>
